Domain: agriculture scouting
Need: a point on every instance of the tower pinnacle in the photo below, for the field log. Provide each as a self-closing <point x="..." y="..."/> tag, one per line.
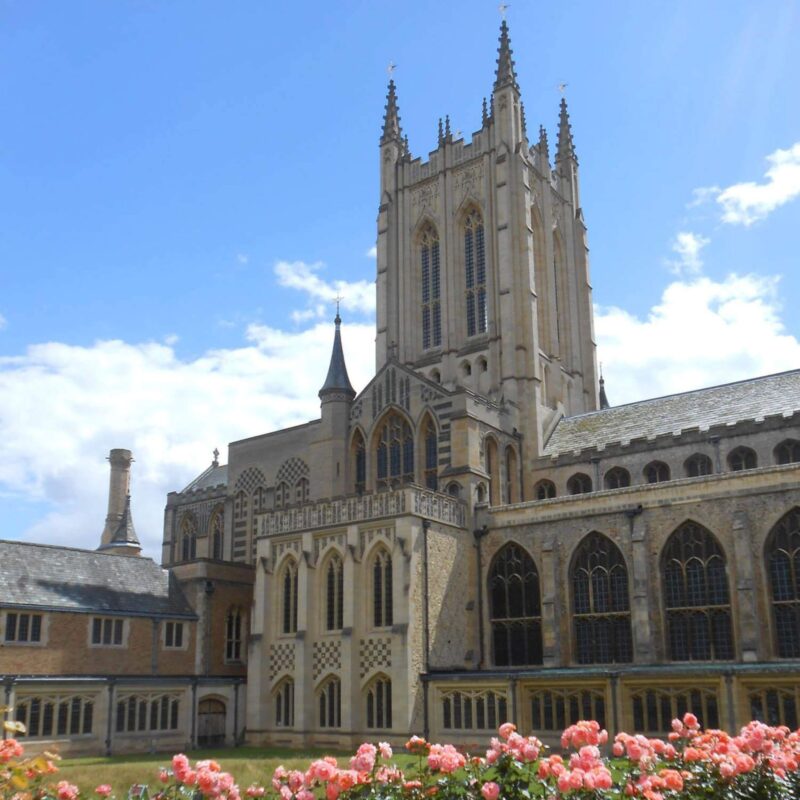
<point x="337" y="381"/>
<point x="391" y="119"/>
<point x="566" y="147"/>
<point x="506" y="75"/>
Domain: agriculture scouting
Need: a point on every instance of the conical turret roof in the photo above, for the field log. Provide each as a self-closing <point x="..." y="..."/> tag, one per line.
<point x="506" y="75"/>
<point x="391" y="119"/>
<point x="337" y="380"/>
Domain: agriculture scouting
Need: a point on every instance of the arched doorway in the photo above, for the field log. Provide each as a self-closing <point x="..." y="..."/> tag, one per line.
<point x="211" y="723"/>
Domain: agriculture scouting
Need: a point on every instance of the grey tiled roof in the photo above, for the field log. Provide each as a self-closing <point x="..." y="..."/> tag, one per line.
<point x="704" y="408"/>
<point x="213" y="476"/>
<point x="65" y="578"/>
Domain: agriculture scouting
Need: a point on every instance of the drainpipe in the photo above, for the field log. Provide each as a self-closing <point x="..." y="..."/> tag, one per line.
<point x="426" y="524"/>
<point x="479" y="533"/>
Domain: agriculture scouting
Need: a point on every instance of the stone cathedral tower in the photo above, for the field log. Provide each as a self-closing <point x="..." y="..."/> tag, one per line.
<point x="483" y="264"/>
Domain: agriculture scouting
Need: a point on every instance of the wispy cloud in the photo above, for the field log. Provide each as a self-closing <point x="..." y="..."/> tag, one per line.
<point x="687" y="247"/>
<point x="372" y="252"/>
<point x="356" y="296"/>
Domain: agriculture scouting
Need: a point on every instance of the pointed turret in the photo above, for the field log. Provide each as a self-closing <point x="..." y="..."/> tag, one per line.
<point x="566" y="147"/>
<point x="506" y="75"/>
<point x="391" y="119"/>
<point x="337" y="382"/>
<point x="603" y="398"/>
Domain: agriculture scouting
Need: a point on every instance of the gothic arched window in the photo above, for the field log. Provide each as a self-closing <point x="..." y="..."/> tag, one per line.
<point x="656" y="472"/>
<point x="431" y="288"/>
<point x="431" y="451"/>
<point x="282" y="495"/>
<point x="579" y="483"/>
<point x="188" y="538"/>
<point x="288" y="590"/>
<point x="515" y="610"/>
<point x="698" y="465"/>
<point x="217" y="534"/>
<point x="742" y="458"/>
<point x="544" y="490"/>
<point x="334" y="594"/>
<point x="783" y="563"/>
<point x="360" y="462"/>
<point x="284" y="704"/>
<point x="379" y="703"/>
<point x="696" y="597"/>
<point x="475" y="273"/>
<point x="788" y="452"/>
<point x="617" y="478"/>
<point x="395" y="454"/>
<point x="330" y="704"/>
<point x="301" y="491"/>
<point x="600" y="603"/>
<point x="382" y="608"/>
<point x="233" y="635"/>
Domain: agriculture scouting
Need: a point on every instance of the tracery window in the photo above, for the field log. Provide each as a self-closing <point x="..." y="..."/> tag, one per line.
<point x="742" y="458"/>
<point x="431" y="455"/>
<point x="330" y="704"/>
<point x="360" y="459"/>
<point x="147" y="712"/>
<point x="284" y="704"/>
<point x="556" y="708"/>
<point x="46" y="716"/>
<point x="301" y="491"/>
<point x="617" y="478"/>
<point x="233" y="635"/>
<point x="382" y="607"/>
<point x="654" y="709"/>
<point x="334" y="594"/>
<point x="696" y="596"/>
<point x="788" y="452"/>
<point x="515" y="610"/>
<point x="579" y="483"/>
<point x="395" y="454"/>
<point x="600" y="602"/>
<point x="217" y="533"/>
<point x="431" y="288"/>
<point x="379" y="703"/>
<point x="188" y="538"/>
<point x="656" y="472"/>
<point x="698" y="465"/>
<point x="475" y="273"/>
<point x="544" y="490"/>
<point x="288" y="588"/>
<point x="783" y="563"/>
<point x="775" y="705"/>
<point x="474" y="710"/>
<point x="282" y="495"/>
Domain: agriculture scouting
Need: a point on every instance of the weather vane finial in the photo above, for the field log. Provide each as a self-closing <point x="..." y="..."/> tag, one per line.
<point x="561" y="87"/>
<point x="391" y="68"/>
<point x="502" y="8"/>
<point x="338" y="300"/>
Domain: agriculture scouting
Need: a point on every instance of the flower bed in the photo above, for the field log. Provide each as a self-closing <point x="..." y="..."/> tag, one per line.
<point x="760" y="763"/>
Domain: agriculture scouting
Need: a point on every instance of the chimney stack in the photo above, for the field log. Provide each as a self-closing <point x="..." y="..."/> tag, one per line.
<point x="118" y="491"/>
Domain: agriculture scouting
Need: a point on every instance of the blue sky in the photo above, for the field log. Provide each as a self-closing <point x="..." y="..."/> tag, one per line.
<point x="174" y="174"/>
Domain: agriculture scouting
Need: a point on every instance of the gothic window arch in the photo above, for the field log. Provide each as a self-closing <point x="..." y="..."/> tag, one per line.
<point x="288" y="587"/>
<point x="515" y="611"/>
<point x="579" y="483"/>
<point x="217" y="529"/>
<point x="787" y="452"/>
<point x="544" y="490"/>
<point x="696" y="596"/>
<point x="698" y="465"/>
<point x="301" y="490"/>
<point x="329" y="699"/>
<point x="600" y="603"/>
<point x="188" y="538"/>
<point x="379" y="703"/>
<point x="234" y="634"/>
<point x="283" y="697"/>
<point x="617" y="478"/>
<point x="333" y="574"/>
<point x="382" y="602"/>
<point x="430" y="454"/>
<point x="782" y="552"/>
<point x="656" y="472"/>
<point x="431" y="288"/>
<point x="358" y="450"/>
<point x="742" y="458"/>
<point x="282" y="495"/>
<point x="394" y="452"/>
<point x="475" y="272"/>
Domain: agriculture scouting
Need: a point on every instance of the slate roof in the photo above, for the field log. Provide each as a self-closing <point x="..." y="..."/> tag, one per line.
<point x="730" y="403"/>
<point x="68" y="579"/>
<point x="213" y="476"/>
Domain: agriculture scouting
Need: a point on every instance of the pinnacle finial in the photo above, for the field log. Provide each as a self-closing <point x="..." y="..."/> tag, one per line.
<point x="506" y="76"/>
<point x="391" y="119"/>
<point x="484" y="113"/>
<point x="441" y="133"/>
<point x="544" y="147"/>
<point x="523" y="120"/>
<point x="566" y="147"/>
<point x="215" y="461"/>
<point x="603" y="397"/>
<point x="447" y="134"/>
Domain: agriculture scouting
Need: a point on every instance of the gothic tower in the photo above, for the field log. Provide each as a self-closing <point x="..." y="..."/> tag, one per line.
<point x="482" y="262"/>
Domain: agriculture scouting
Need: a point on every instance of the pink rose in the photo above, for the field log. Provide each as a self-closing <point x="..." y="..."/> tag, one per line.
<point x="104" y="790"/>
<point x="490" y="790"/>
<point x="506" y="729"/>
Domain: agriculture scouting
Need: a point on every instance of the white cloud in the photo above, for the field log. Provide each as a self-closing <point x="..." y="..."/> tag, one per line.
<point x="62" y="408"/>
<point x="748" y="202"/>
<point x="701" y="333"/>
<point x="372" y="252"/>
<point x="356" y="295"/>
<point x="687" y="247"/>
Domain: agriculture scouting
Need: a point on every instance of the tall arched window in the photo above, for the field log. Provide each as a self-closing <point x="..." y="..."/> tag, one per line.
<point x="696" y="597"/>
<point x="284" y="704"/>
<point x="382" y="608"/>
<point x="783" y="563"/>
<point x="301" y="491"/>
<point x="579" y="483"/>
<point x="288" y="589"/>
<point x="475" y="273"/>
<point x="600" y="603"/>
<point x="515" y="610"/>
<point x="334" y="594"/>
<point x="431" y="454"/>
<point x="431" y="288"/>
<point x="379" y="703"/>
<point x="617" y="478"/>
<point x="698" y="465"/>
<point x="656" y="472"/>
<point x="233" y="635"/>
<point x="787" y="452"/>
<point x="330" y="704"/>
<point x="282" y="495"/>
<point x="395" y="453"/>
<point x="217" y="534"/>
<point x="188" y="538"/>
<point x="742" y="458"/>
<point x="359" y="451"/>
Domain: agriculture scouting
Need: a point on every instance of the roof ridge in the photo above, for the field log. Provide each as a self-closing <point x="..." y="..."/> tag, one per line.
<point x="76" y="550"/>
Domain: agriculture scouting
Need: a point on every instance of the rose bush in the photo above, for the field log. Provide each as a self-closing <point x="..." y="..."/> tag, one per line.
<point x="760" y="763"/>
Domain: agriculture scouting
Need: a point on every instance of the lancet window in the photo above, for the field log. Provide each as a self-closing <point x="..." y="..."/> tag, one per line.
<point x="288" y="604"/>
<point x="475" y="273"/>
<point x="330" y="704"/>
<point x="284" y="704"/>
<point x="217" y="534"/>
<point x="431" y="288"/>
<point x="783" y="564"/>
<point x="334" y="594"/>
<point x="188" y="538"/>
<point x="431" y="455"/>
<point x="395" y="453"/>
<point x="382" y="608"/>
<point x="360" y="462"/>
<point x="379" y="703"/>
<point x="233" y="635"/>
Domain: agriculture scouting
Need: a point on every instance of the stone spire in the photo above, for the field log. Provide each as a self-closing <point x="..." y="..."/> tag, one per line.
<point x="506" y="75"/>
<point x="566" y="147"/>
<point x="603" y="398"/>
<point x="337" y="382"/>
<point x="391" y="119"/>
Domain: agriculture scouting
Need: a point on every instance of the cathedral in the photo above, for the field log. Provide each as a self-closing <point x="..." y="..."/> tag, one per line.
<point x="477" y="535"/>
